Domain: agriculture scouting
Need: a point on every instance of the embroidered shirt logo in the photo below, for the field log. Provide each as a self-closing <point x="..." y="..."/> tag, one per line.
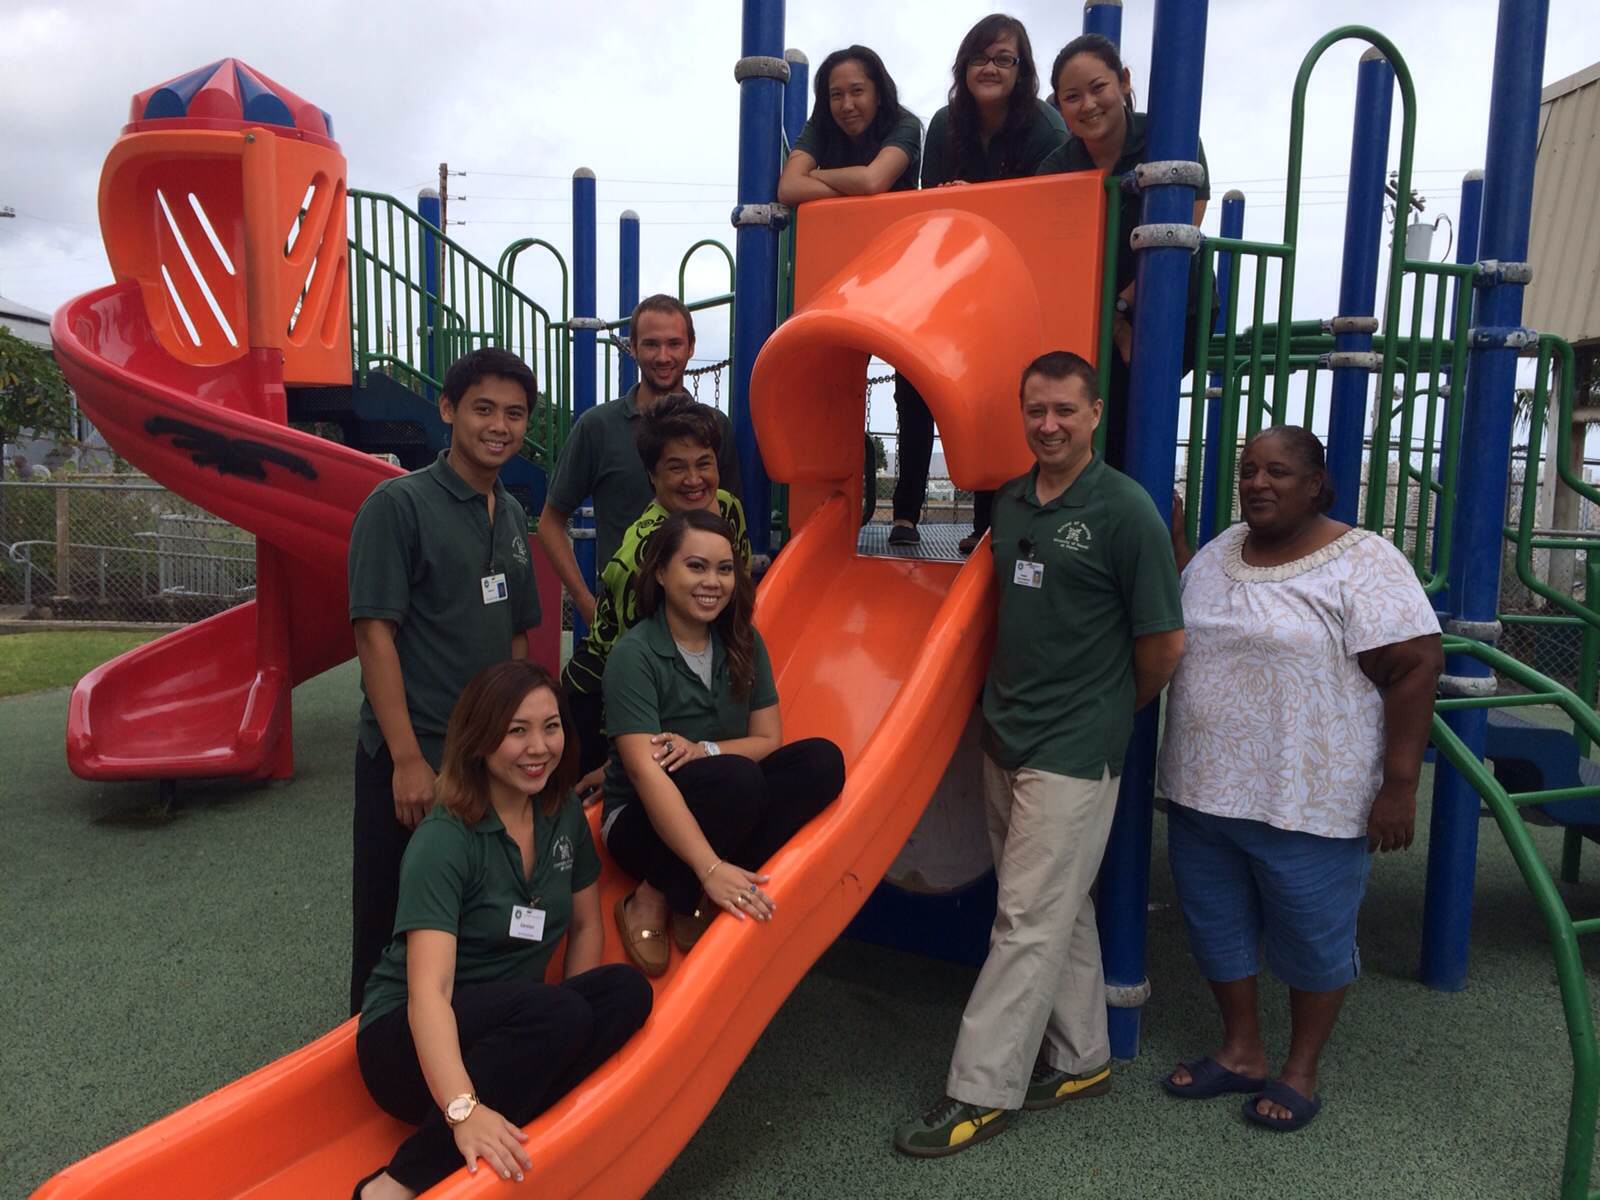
<point x="519" y="550"/>
<point x="561" y="853"/>
<point x="1074" y="535"/>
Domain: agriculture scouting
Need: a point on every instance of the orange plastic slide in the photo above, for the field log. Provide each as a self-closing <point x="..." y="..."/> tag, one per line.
<point x="957" y="289"/>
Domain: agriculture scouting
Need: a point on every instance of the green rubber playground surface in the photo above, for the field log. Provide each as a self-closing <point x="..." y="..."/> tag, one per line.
<point x="147" y="960"/>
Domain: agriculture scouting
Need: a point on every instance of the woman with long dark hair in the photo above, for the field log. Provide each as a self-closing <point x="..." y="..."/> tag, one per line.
<point x="700" y="790"/>
<point x="459" y="1033"/>
<point x="858" y="141"/>
<point x="993" y="127"/>
<point x="1093" y="91"/>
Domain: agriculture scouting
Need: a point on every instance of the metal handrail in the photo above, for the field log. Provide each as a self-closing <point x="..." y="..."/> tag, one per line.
<point x="1559" y="924"/>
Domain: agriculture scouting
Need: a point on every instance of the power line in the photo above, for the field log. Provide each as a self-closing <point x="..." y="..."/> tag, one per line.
<point x="567" y="178"/>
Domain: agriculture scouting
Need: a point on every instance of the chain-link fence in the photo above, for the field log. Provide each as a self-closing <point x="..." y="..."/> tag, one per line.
<point x="117" y="548"/>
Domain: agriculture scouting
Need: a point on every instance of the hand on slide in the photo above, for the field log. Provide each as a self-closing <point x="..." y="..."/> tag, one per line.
<point x="739" y="891"/>
<point x="489" y="1136"/>
<point x="588" y="788"/>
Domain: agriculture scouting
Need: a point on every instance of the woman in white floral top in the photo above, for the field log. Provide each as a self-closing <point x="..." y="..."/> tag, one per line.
<point x="1295" y="731"/>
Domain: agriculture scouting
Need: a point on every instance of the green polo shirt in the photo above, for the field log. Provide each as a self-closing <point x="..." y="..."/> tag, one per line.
<point x="1074" y="156"/>
<point x="941" y="163"/>
<point x="1060" y="691"/>
<point x="601" y="460"/>
<point x="905" y="134"/>
<point x="464" y="880"/>
<point x="650" y="689"/>
<point x="616" y="607"/>
<point x="419" y="550"/>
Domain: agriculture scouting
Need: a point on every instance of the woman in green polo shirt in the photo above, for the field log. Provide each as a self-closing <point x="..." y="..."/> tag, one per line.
<point x="860" y="141"/>
<point x="459" y="1034"/>
<point x="994" y="127"/>
<point x="700" y="790"/>
<point x="1093" y="91"/>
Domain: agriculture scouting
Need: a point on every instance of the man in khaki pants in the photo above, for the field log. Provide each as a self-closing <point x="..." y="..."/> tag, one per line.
<point x="1090" y="630"/>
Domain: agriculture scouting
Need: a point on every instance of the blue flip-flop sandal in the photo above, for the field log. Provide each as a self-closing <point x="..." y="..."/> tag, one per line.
<point x="1301" y="1108"/>
<point x="1208" y="1078"/>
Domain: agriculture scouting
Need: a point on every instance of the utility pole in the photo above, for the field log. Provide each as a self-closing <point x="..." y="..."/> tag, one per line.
<point x="444" y="196"/>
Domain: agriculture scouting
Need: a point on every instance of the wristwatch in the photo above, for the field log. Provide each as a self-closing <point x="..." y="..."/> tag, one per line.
<point x="1124" y="306"/>
<point x="460" y="1108"/>
<point x="711" y="749"/>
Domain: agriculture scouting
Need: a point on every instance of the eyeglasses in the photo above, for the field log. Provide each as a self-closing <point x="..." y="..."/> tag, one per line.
<point x="1004" y="61"/>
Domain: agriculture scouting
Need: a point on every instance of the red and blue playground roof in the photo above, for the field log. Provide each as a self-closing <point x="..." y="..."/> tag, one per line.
<point x="233" y="93"/>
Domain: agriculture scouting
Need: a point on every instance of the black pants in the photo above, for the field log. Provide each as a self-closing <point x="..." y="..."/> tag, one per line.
<point x="589" y="722"/>
<point x="524" y="1044"/>
<point x="746" y="809"/>
<point x="913" y="453"/>
<point x="378" y="842"/>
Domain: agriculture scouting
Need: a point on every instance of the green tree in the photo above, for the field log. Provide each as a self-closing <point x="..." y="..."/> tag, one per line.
<point x="33" y="393"/>
<point x="879" y="455"/>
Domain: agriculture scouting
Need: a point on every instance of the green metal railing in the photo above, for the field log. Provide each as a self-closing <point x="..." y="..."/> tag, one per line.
<point x="418" y="301"/>
<point x="1563" y="930"/>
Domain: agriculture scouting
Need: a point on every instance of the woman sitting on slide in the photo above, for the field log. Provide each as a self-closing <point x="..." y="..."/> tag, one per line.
<point x="459" y="1033"/>
<point x="700" y="790"/>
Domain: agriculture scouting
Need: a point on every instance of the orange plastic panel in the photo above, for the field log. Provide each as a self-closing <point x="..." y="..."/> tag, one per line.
<point x="957" y="288"/>
<point x="275" y="281"/>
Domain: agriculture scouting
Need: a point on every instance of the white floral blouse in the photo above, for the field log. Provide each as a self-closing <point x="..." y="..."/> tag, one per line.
<point x="1269" y="717"/>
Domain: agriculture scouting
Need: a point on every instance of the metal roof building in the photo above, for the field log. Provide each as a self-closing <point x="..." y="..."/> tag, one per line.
<point x="1564" y="242"/>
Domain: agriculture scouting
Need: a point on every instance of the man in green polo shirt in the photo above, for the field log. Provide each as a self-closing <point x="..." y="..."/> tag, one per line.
<point x="599" y="459"/>
<point x="1090" y="629"/>
<point x="441" y="586"/>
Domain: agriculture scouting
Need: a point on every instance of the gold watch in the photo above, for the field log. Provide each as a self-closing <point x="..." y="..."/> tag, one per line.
<point x="460" y="1108"/>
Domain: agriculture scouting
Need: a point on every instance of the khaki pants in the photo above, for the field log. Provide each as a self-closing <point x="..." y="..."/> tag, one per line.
<point x="1042" y="981"/>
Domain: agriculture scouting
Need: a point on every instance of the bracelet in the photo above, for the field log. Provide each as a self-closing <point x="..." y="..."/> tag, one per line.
<point x="710" y="869"/>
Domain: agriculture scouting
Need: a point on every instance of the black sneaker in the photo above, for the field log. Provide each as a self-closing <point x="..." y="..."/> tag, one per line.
<point x="969" y="543"/>
<point x="949" y="1127"/>
<point x="904" y="535"/>
<point x="1049" y="1087"/>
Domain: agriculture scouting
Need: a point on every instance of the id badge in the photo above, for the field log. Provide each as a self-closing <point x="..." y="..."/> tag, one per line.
<point x="494" y="587"/>
<point x="1027" y="573"/>
<point x="527" y="923"/>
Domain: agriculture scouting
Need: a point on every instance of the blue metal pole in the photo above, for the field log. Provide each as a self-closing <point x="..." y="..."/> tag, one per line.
<point x="627" y="292"/>
<point x="1358" y="282"/>
<point x="755" y="300"/>
<point x="428" y="254"/>
<point x="1104" y="17"/>
<point x="1481" y="501"/>
<point x="1162" y="283"/>
<point x="1467" y="220"/>
<point x="1213" y="433"/>
<point x="584" y="308"/>
<point x="796" y="95"/>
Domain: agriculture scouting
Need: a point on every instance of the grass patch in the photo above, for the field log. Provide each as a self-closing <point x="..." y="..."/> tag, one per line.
<point x="32" y="662"/>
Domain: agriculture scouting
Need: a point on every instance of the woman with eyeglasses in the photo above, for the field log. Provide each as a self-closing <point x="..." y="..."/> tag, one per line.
<point x="1093" y="92"/>
<point x="993" y="127"/>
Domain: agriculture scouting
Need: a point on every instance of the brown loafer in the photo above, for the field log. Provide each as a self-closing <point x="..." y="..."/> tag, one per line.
<point x="686" y="929"/>
<point x="645" y="945"/>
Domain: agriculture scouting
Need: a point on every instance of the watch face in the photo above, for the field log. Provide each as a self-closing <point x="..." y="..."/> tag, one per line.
<point x="459" y="1109"/>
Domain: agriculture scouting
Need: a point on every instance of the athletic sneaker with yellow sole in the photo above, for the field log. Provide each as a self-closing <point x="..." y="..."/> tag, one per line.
<point x="949" y="1127"/>
<point x="1049" y="1087"/>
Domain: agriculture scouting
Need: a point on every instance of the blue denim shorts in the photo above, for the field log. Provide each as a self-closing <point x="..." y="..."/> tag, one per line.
<point x="1244" y="884"/>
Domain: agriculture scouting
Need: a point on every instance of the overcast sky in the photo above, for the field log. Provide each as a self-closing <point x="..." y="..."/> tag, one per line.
<point x="517" y="95"/>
